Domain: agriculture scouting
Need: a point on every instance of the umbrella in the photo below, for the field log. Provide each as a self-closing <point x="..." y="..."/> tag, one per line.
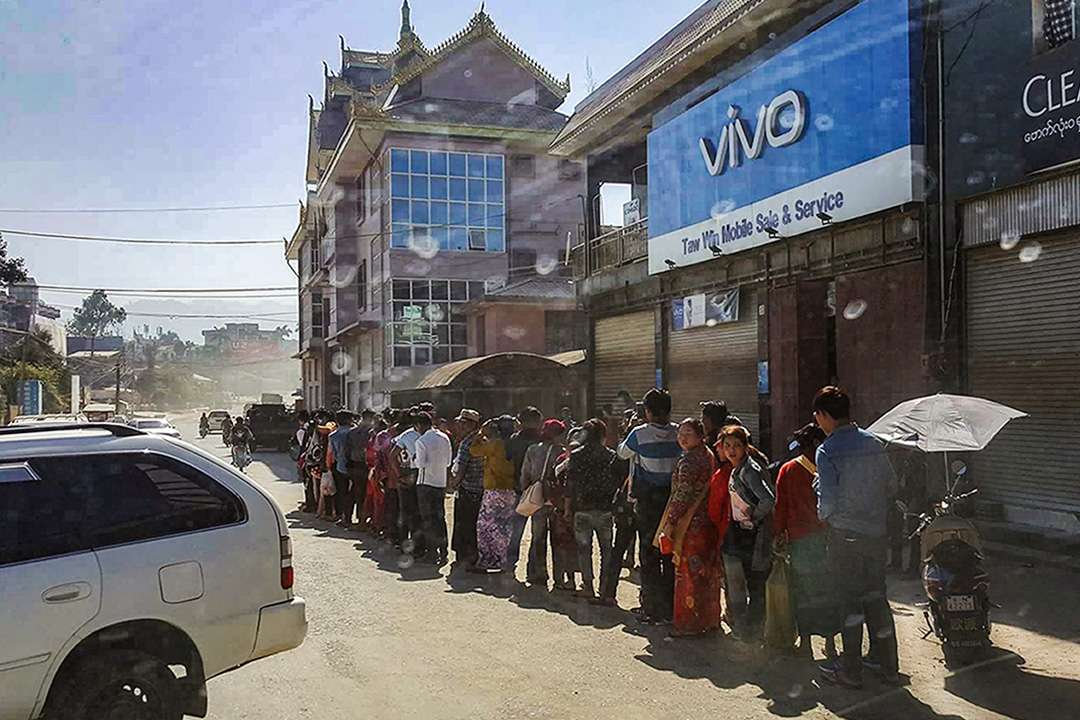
<point x="944" y="423"/>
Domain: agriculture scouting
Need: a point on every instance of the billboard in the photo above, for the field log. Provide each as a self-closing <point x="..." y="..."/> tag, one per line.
<point x="705" y="310"/>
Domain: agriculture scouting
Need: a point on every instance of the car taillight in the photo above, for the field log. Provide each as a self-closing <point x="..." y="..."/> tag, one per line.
<point x="287" y="575"/>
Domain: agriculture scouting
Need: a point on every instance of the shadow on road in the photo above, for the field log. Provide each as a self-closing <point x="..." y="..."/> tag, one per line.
<point x="1003" y="685"/>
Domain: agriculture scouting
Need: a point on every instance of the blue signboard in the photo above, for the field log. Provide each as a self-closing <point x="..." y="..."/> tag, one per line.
<point x="829" y="125"/>
<point x="30" y="401"/>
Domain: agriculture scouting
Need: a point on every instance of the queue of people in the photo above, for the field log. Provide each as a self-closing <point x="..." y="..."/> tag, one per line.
<point x="711" y="517"/>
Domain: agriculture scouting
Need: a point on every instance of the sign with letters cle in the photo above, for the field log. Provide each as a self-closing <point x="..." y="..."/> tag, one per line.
<point x="829" y="128"/>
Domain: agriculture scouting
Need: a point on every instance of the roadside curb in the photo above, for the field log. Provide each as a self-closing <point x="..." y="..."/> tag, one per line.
<point x="1059" y="561"/>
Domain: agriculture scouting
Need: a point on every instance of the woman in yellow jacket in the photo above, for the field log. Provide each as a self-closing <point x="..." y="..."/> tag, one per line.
<point x="495" y="524"/>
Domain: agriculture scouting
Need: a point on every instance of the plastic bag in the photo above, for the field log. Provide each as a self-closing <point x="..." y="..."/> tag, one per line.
<point x="780" y="628"/>
<point x="326" y="485"/>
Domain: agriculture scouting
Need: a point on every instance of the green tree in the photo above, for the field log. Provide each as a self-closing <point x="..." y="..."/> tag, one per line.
<point x="95" y="317"/>
<point x="11" y="378"/>
<point x="12" y="270"/>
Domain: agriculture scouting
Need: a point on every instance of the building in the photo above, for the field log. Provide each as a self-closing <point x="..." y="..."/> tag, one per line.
<point x="536" y="315"/>
<point x="1012" y="190"/>
<point x="244" y="341"/>
<point x="430" y="184"/>
<point x="784" y="239"/>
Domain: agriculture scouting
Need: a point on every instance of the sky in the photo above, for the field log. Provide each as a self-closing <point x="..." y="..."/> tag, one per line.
<point x="154" y="104"/>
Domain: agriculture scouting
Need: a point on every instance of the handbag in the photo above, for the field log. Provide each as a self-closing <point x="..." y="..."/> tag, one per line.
<point x="533" y="497"/>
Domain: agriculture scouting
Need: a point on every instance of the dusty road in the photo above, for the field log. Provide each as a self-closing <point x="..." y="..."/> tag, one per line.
<point x="388" y="643"/>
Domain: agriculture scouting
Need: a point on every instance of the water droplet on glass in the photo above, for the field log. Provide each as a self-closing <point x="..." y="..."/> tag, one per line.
<point x="405" y="562"/>
<point x="787" y="118"/>
<point x="909" y="227"/>
<point x="1030" y="252"/>
<point x="340" y="363"/>
<point x="795" y="691"/>
<point x="546" y="264"/>
<point x="969" y="138"/>
<point x="889" y="103"/>
<point x="884" y="633"/>
<point x="793" y="445"/>
<point x="435" y="313"/>
<point x="430" y="107"/>
<point x="824" y="123"/>
<point x="711" y="322"/>
<point x="853" y="620"/>
<point x="772" y="36"/>
<point x="981" y="207"/>
<point x="342" y="276"/>
<point x="468" y="73"/>
<point x="1024" y="610"/>
<point x="1009" y="240"/>
<point x="424" y="245"/>
<point x="515" y="332"/>
<point x="854" y="309"/>
<point x="721" y="208"/>
<point x="976" y="178"/>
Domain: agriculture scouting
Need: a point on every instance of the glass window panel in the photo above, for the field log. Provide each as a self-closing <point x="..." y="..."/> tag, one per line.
<point x="438" y="163"/>
<point x="494" y="166"/>
<point x="477" y="240"/>
<point x="442" y="333"/>
<point x="440" y="355"/>
<point x="419" y="186"/>
<point x="457" y="214"/>
<point x="457" y="313"/>
<point x="439" y="213"/>
<point x="495" y="241"/>
<point x="441" y="237"/>
<point x="495" y="216"/>
<point x="458" y="335"/>
<point x="457" y="189"/>
<point x="399" y="309"/>
<point x="399" y="160"/>
<point x="400" y="211"/>
<point x="477" y="214"/>
<point x="457" y="164"/>
<point x="401" y="289"/>
<point x="420" y="290"/>
<point x="422" y="355"/>
<point x="494" y="191"/>
<point x="402" y="356"/>
<point x="476" y="289"/>
<point x="439" y="289"/>
<point x="400" y="236"/>
<point x="476" y="166"/>
<point x="437" y="312"/>
<point x="420" y="212"/>
<point x="459" y="290"/>
<point x="476" y="191"/>
<point x="459" y="239"/>
<point x="458" y="353"/>
<point x="418" y="161"/>
<point x="438" y="188"/>
<point x="399" y="185"/>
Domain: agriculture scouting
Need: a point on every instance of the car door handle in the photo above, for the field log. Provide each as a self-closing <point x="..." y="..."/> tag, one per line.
<point x="67" y="593"/>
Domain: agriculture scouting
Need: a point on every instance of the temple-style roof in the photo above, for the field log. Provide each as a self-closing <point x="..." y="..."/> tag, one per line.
<point x="481" y="26"/>
<point x="475" y="113"/>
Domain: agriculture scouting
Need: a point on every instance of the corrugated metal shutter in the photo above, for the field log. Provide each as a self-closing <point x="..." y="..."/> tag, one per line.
<point x="1023" y="344"/>
<point x="624" y="356"/>
<point x="716" y="363"/>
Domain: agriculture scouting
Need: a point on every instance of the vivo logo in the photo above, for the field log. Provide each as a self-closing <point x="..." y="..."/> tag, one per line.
<point x="735" y="136"/>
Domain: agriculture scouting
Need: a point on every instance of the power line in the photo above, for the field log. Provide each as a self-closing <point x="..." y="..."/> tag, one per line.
<point x="205" y="208"/>
<point x="140" y="291"/>
<point x="135" y="241"/>
<point x="270" y="317"/>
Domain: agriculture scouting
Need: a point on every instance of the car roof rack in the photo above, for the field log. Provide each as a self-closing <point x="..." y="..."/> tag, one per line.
<point x="116" y="429"/>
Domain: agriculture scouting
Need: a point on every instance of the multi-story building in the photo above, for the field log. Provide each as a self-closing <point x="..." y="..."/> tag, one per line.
<point x="430" y="183"/>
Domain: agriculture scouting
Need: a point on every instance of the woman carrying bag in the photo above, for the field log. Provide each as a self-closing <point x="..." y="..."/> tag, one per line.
<point x="537" y="472"/>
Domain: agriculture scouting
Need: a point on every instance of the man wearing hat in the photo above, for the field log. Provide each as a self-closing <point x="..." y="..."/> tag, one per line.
<point x="467" y="479"/>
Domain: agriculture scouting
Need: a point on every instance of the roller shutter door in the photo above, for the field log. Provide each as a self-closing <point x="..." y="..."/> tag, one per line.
<point x="716" y="363"/>
<point x="624" y="356"/>
<point x="1023" y="345"/>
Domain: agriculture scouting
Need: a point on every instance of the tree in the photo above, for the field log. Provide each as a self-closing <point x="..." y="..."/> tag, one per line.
<point x="12" y="270"/>
<point x="95" y="317"/>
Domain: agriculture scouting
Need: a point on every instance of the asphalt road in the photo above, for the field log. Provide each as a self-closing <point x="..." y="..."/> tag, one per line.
<point x="392" y="643"/>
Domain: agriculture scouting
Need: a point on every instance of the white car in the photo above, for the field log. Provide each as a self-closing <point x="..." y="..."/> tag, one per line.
<point x="133" y="567"/>
<point x="155" y="426"/>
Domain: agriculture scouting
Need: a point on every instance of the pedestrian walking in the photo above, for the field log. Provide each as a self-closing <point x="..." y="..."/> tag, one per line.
<point x="539" y="467"/>
<point x="467" y="479"/>
<point x="498" y="508"/>
<point x="796" y="525"/>
<point x="855" y="485"/>
<point x="693" y="537"/>
<point x="589" y="478"/>
<point x="433" y="457"/>
<point x="653" y="449"/>
<point x="747" y="544"/>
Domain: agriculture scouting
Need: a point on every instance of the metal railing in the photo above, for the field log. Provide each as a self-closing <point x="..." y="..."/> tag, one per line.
<point x="618" y="247"/>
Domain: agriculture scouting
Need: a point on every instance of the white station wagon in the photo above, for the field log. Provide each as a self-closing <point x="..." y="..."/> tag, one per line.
<point x="133" y="567"/>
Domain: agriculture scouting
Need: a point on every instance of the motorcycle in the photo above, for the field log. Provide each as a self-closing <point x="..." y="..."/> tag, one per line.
<point x="204" y="430"/>
<point x="956" y="583"/>
<point x="241" y="455"/>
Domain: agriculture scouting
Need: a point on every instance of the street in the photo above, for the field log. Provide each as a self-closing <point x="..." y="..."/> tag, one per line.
<point x="393" y="642"/>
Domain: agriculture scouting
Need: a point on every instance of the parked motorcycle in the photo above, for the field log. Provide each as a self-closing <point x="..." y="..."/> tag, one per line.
<point x="956" y="584"/>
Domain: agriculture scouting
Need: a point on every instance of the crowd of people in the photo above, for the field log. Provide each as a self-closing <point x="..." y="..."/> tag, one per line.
<point x="712" y="517"/>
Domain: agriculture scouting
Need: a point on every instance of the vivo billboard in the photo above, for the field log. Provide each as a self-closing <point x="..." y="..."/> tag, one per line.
<point x="830" y="125"/>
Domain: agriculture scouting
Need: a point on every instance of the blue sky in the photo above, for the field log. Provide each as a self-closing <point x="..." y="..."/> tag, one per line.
<point x="122" y="104"/>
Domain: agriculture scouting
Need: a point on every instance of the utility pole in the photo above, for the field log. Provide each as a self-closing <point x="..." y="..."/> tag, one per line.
<point x="116" y="403"/>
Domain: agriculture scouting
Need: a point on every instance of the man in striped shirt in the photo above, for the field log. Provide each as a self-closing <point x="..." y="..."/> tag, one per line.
<point x="654" y="451"/>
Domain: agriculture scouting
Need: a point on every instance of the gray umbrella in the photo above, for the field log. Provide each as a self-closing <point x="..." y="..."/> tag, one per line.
<point x="944" y="423"/>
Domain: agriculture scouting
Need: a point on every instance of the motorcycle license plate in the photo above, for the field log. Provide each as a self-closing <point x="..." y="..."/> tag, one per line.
<point x="959" y="603"/>
<point x="964" y="624"/>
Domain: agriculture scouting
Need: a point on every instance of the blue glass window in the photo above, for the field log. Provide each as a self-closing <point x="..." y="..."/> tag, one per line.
<point x="494" y="216"/>
<point x="457" y="214"/>
<point x="477" y="215"/>
<point x="399" y="160"/>
<point x="495" y="241"/>
<point x="494" y="166"/>
<point x="476" y="166"/>
<point x="494" y="191"/>
<point x="419" y="186"/>
<point x="400" y="236"/>
<point x="476" y="191"/>
<point x="438" y="188"/>
<point x="420" y="213"/>
<point x="399" y="185"/>
<point x="442" y="237"/>
<point x="438" y="163"/>
<point x="459" y="238"/>
<point x="418" y="161"/>
<point x="457" y="164"/>
<point x="399" y="211"/>
<point x="457" y="189"/>
<point x="439" y="214"/>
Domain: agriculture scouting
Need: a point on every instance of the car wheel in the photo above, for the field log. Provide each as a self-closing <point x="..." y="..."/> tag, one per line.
<point x="119" y="685"/>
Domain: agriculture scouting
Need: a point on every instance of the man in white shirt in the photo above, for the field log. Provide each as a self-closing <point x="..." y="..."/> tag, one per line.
<point x="410" y="529"/>
<point x="434" y="455"/>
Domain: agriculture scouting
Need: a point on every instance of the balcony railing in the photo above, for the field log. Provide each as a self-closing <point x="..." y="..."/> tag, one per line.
<point x="619" y="247"/>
